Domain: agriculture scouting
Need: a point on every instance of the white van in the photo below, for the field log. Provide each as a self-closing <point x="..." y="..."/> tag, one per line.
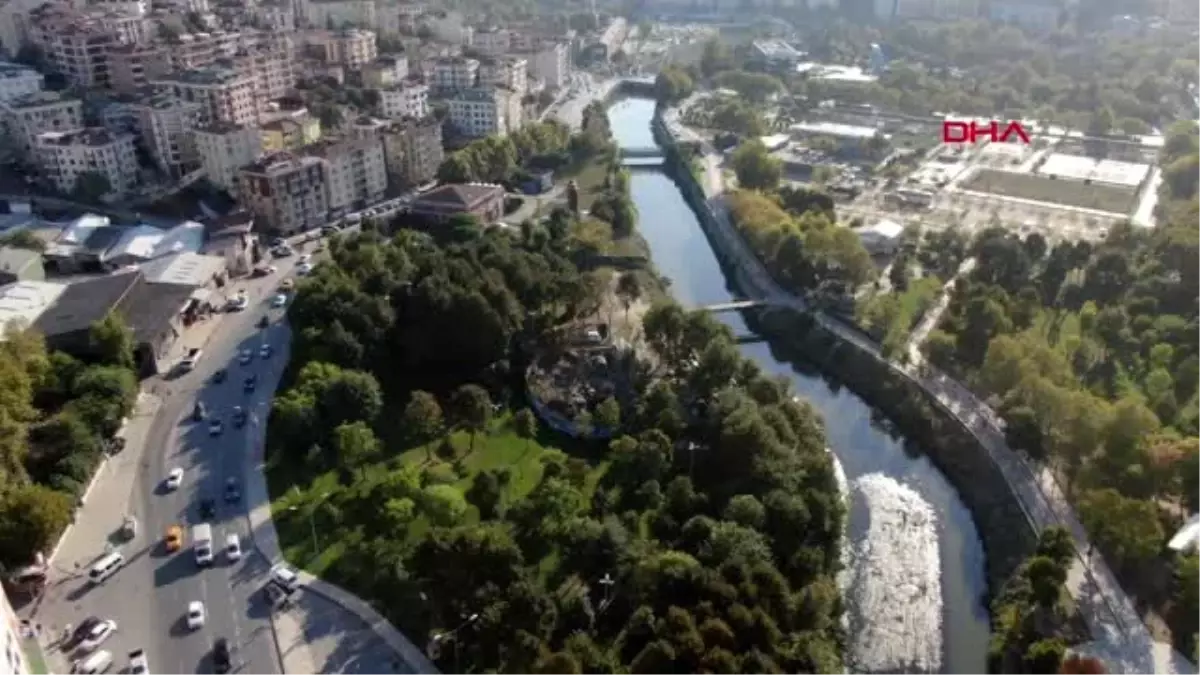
<point x="106" y="567"/>
<point x="284" y="577"/>
<point x="202" y="543"/>
<point x="99" y="662"/>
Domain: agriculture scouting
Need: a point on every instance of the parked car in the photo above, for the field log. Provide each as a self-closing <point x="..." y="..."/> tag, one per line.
<point x="138" y="663"/>
<point x="233" y="491"/>
<point x="190" y="360"/>
<point x="239" y="416"/>
<point x="174" y="538"/>
<point x="97" y="635"/>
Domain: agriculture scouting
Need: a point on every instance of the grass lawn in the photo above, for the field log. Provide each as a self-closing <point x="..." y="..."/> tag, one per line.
<point x="309" y="544"/>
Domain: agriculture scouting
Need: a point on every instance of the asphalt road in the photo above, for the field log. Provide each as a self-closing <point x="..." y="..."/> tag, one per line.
<point x="148" y="598"/>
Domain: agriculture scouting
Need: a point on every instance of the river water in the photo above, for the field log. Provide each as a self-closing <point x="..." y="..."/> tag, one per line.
<point x="861" y="440"/>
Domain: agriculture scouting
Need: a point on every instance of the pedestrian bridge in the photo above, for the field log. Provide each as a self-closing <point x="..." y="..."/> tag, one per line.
<point x="734" y="306"/>
<point x="637" y="153"/>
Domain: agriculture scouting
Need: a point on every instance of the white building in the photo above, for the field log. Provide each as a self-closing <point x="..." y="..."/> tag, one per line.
<point x="385" y="71"/>
<point x="492" y="41"/>
<point x="352" y="48"/>
<point x="10" y="636"/>
<point x="166" y="125"/>
<point x="552" y="65"/>
<point x="26" y="117"/>
<point x="275" y="16"/>
<point x="65" y="155"/>
<point x="410" y="99"/>
<point x="483" y="112"/>
<point x="455" y="73"/>
<point x="509" y="72"/>
<point x="882" y="238"/>
<point x="355" y="172"/>
<point x="222" y="149"/>
<point x="224" y="94"/>
<point x="17" y="81"/>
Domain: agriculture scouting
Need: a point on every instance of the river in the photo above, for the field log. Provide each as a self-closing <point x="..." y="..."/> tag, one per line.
<point x="862" y="442"/>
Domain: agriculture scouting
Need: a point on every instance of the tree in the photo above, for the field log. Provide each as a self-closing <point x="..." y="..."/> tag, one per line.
<point x="329" y="114"/>
<point x="629" y="289"/>
<point x="486" y="494"/>
<point x="526" y="425"/>
<point x="1128" y="529"/>
<point x="443" y="504"/>
<point x="356" y="445"/>
<point x="746" y="510"/>
<point x="1045" y="656"/>
<point x="673" y="85"/>
<point x="755" y="168"/>
<point x="472" y="410"/>
<point x="31" y="517"/>
<point x="91" y="186"/>
<point x="422" y="419"/>
<point x="608" y="414"/>
<point x="112" y="341"/>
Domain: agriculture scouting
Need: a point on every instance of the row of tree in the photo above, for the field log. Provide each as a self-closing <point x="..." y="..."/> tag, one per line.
<point x="501" y="159"/>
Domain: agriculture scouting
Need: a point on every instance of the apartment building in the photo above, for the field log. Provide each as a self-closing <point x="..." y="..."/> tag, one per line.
<point x="394" y="19"/>
<point x="384" y="72"/>
<point x="290" y="132"/>
<point x="28" y="116"/>
<point x="17" y="81"/>
<point x="509" y="72"/>
<point x="350" y="48"/>
<point x="335" y="14"/>
<point x="409" y="99"/>
<point x="355" y="172"/>
<point x="223" y="149"/>
<point x="138" y="8"/>
<point x="551" y="64"/>
<point x="285" y="192"/>
<point x="455" y="74"/>
<point x="484" y="111"/>
<point x="271" y="70"/>
<point x="76" y="44"/>
<point x="63" y="156"/>
<point x="131" y="67"/>
<point x="224" y="94"/>
<point x="201" y="50"/>
<point x="275" y="15"/>
<point x="165" y="124"/>
<point x="10" y="636"/>
<point x="492" y="41"/>
<point x="413" y="151"/>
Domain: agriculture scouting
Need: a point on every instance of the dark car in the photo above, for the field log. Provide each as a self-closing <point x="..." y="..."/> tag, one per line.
<point x="80" y="633"/>
<point x="208" y="508"/>
<point x="250" y="383"/>
<point x="264" y="322"/>
<point x="222" y="662"/>
<point x="219" y="376"/>
<point x="198" y="412"/>
<point x="239" y="416"/>
<point x="233" y="491"/>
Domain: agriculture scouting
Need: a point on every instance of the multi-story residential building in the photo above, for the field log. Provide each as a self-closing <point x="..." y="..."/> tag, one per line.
<point x="272" y="73"/>
<point x="224" y="94"/>
<point x="275" y="15"/>
<point x="355" y="172"/>
<point x="33" y="114"/>
<point x="384" y="72"/>
<point x="393" y="19"/>
<point x="64" y="156"/>
<point x="131" y="67"/>
<point x="17" y="81"/>
<point x="449" y="27"/>
<point x="223" y="149"/>
<point x="335" y="14"/>
<point x="409" y="99"/>
<point x="165" y="124"/>
<point x="138" y="8"/>
<point x="285" y="192"/>
<point x="483" y="111"/>
<point x="551" y="64"/>
<point x="76" y="44"/>
<point x="492" y="41"/>
<point x="350" y="48"/>
<point x="201" y="50"/>
<point x="509" y="72"/>
<point x="290" y="132"/>
<point x="413" y="151"/>
<point x="455" y="74"/>
<point x="10" y="639"/>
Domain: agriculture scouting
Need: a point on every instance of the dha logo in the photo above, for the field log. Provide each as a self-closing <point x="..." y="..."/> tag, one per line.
<point x="972" y="132"/>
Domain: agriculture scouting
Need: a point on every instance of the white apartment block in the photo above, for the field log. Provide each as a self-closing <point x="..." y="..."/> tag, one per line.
<point x="455" y="73"/>
<point x="492" y="41"/>
<point x="63" y="156"/>
<point x="17" y="81"/>
<point x="350" y="48"/>
<point x="73" y="43"/>
<point x="223" y="149"/>
<point x="286" y="193"/>
<point x="413" y="151"/>
<point x="224" y="95"/>
<point x="336" y="14"/>
<point x="552" y="65"/>
<point x="355" y="172"/>
<point x="509" y="72"/>
<point x="166" y="125"/>
<point x="385" y="71"/>
<point x="132" y="67"/>
<point x="481" y="112"/>
<point x="272" y="73"/>
<point x="33" y="114"/>
<point x="200" y="50"/>
<point x="410" y="99"/>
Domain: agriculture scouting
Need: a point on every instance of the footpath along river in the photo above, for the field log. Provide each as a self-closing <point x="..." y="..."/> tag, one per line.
<point x="860" y="440"/>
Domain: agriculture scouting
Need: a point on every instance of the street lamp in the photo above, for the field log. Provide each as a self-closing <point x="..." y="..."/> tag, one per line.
<point x="433" y="649"/>
<point x="607" y="582"/>
<point x="312" y="519"/>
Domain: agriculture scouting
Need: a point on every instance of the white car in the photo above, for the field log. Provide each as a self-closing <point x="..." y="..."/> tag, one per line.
<point x="304" y="269"/>
<point x="305" y="259"/>
<point x="279" y="301"/>
<point x="97" y="635"/>
<point x="174" y="479"/>
<point x="239" y="303"/>
<point x="215" y="427"/>
<point x="265" y="351"/>
<point x="138" y="663"/>
<point x="233" y="548"/>
<point x="245" y="356"/>
<point x="284" y="577"/>
<point x="195" y="615"/>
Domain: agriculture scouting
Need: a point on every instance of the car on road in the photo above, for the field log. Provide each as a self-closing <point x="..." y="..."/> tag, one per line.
<point x="287" y="285"/>
<point x="233" y="548"/>
<point x="222" y="661"/>
<point x="174" y="479"/>
<point x="97" y="635"/>
<point x="219" y="376"/>
<point x="174" y="538"/>
<point x="304" y="269"/>
<point x="190" y="360"/>
<point x="198" y="411"/>
<point x="250" y="383"/>
<point x="215" y="427"/>
<point x="284" y="576"/>
<point x="138" y="663"/>
<point x="239" y="416"/>
<point x="195" y="614"/>
<point x="233" y="491"/>
<point x="208" y="508"/>
<point x="238" y="302"/>
<point x="80" y="633"/>
<point x="263" y="271"/>
<point x="99" y="662"/>
<point x="277" y="596"/>
<point x="279" y="301"/>
<point x="245" y="356"/>
<point x="304" y="259"/>
<point x="281" y="251"/>
<point x="265" y="351"/>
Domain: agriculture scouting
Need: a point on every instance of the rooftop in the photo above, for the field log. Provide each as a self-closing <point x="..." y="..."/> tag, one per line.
<point x="183" y="269"/>
<point x="83" y="303"/>
<point x="1112" y="172"/>
<point x="149" y="307"/>
<point x="203" y="76"/>
<point x="41" y="98"/>
<point x="25" y="301"/>
<point x="834" y="129"/>
<point x="280" y="163"/>
<point x="92" y="136"/>
<point x="834" y="73"/>
<point x="13" y="70"/>
<point x="777" y="50"/>
<point x="465" y="195"/>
